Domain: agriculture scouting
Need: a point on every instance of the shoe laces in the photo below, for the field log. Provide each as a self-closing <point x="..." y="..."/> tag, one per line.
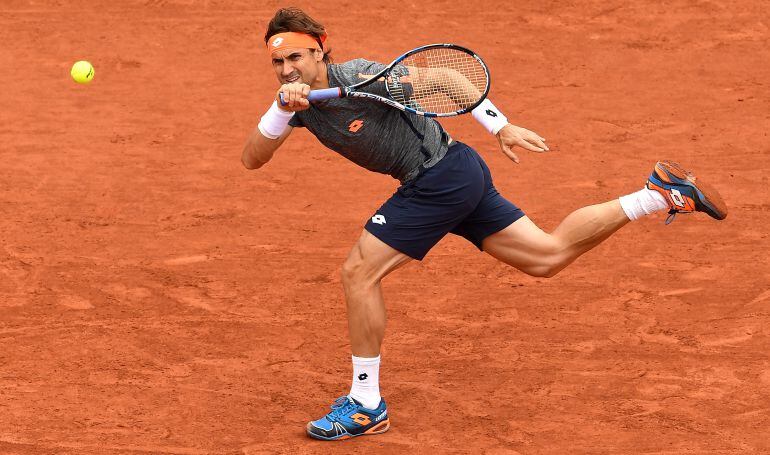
<point x="339" y="402"/>
<point x="671" y="215"/>
<point x="340" y="410"/>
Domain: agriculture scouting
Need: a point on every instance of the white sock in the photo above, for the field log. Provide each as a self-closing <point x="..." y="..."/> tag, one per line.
<point x="643" y="202"/>
<point x="366" y="381"/>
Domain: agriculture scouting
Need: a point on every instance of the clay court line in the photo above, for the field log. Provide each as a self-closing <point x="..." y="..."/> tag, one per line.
<point x="219" y="392"/>
<point x="728" y="341"/>
<point x="145" y="323"/>
<point x="679" y="292"/>
<point x="100" y="448"/>
<point x="187" y="259"/>
<point x="761" y="297"/>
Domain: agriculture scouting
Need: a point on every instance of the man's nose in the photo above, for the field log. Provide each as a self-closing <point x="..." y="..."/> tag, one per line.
<point x="287" y="68"/>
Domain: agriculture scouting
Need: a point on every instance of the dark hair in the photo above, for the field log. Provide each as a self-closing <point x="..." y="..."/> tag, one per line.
<point x="295" y="20"/>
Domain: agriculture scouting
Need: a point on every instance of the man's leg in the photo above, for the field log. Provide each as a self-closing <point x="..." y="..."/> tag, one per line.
<point x="670" y="187"/>
<point x="525" y="246"/>
<point x="369" y="261"/>
<point x="362" y="411"/>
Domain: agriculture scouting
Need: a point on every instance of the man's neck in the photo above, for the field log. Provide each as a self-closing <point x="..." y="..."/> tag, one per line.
<point x="322" y="81"/>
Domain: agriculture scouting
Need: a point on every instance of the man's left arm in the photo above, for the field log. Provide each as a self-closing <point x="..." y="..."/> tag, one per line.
<point x="508" y="135"/>
<point x="460" y="89"/>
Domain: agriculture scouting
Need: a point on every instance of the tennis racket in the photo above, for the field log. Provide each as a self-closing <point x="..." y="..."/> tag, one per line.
<point x="437" y="80"/>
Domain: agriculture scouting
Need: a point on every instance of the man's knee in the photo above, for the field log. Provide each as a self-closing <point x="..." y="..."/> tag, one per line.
<point x="545" y="271"/>
<point x="370" y="261"/>
<point x="546" y="267"/>
<point x="355" y="270"/>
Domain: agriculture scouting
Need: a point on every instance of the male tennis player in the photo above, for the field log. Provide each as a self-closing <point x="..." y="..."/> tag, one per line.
<point x="445" y="188"/>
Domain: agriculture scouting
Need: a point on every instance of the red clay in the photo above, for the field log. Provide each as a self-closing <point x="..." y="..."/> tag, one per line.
<point x="155" y="297"/>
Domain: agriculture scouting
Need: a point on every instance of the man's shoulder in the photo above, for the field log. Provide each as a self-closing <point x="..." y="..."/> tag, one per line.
<point x="356" y="63"/>
<point x="349" y="72"/>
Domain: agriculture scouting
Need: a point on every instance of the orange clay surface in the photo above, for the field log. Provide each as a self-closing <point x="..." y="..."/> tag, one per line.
<point x="156" y="297"/>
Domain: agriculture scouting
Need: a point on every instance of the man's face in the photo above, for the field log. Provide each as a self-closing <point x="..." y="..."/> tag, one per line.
<point x="296" y="65"/>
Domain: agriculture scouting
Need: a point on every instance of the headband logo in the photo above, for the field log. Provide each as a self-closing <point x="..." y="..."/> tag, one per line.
<point x="277" y="41"/>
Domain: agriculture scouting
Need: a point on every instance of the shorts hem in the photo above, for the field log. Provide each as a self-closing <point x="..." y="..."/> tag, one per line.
<point x="497" y="228"/>
<point x="397" y="246"/>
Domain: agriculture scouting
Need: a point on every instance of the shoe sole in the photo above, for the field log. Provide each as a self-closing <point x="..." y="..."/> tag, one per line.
<point x="380" y="428"/>
<point x="708" y="199"/>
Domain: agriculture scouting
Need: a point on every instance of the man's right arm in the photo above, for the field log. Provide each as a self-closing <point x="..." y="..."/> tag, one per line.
<point x="259" y="149"/>
<point x="273" y="128"/>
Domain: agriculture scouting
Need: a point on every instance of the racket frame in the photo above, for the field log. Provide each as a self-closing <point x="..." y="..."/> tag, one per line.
<point x="353" y="90"/>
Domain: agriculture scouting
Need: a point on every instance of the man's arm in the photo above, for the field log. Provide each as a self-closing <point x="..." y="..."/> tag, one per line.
<point x="510" y="136"/>
<point x="446" y="80"/>
<point x="274" y="126"/>
<point x="458" y="88"/>
<point x="260" y="149"/>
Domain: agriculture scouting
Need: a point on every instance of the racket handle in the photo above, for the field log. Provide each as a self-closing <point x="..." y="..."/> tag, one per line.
<point x="324" y="94"/>
<point x="318" y="95"/>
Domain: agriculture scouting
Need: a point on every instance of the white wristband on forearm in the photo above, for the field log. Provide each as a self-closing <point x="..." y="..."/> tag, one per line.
<point x="274" y="122"/>
<point x="489" y="116"/>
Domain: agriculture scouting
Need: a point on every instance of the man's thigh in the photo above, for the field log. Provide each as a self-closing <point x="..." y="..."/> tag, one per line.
<point x="522" y="244"/>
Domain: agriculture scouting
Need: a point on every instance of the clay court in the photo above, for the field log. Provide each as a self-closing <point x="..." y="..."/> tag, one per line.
<point x="158" y="298"/>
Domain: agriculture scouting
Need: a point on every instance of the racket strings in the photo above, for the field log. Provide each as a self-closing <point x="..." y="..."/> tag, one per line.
<point x="439" y="80"/>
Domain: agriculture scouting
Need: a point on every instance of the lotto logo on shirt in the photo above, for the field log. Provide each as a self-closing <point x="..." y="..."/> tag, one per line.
<point x="355" y="125"/>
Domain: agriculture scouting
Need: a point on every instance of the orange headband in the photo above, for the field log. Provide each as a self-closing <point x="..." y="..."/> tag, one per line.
<point x="293" y="39"/>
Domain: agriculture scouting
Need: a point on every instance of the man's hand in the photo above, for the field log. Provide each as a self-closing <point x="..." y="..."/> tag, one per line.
<point x="295" y="97"/>
<point x="511" y="135"/>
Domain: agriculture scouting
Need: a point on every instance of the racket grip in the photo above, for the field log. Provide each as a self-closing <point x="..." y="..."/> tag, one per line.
<point x="324" y="94"/>
<point x="318" y="95"/>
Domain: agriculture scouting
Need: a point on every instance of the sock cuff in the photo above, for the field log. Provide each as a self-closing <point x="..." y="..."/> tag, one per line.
<point x="366" y="360"/>
<point x="627" y="204"/>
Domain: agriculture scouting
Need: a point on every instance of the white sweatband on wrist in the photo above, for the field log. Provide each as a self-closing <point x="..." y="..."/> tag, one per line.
<point x="489" y="116"/>
<point x="274" y="122"/>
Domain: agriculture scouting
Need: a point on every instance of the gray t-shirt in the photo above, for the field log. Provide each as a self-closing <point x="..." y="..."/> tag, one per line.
<point x="371" y="134"/>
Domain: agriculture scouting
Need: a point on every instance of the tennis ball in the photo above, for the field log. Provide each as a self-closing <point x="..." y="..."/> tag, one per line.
<point x="82" y="72"/>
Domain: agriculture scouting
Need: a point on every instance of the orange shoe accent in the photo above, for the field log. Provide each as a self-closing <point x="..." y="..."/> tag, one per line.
<point x="711" y="194"/>
<point x="361" y="419"/>
<point x="675" y="199"/>
<point x="661" y="172"/>
<point x="381" y="428"/>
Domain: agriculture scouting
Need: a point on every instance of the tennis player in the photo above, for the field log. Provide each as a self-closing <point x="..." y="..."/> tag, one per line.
<point x="445" y="188"/>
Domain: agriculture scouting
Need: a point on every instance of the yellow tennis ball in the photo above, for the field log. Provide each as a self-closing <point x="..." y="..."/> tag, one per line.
<point x="82" y="72"/>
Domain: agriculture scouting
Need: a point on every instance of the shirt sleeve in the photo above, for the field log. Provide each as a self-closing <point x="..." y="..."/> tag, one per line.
<point x="359" y="70"/>
<point x="295" y="121"/>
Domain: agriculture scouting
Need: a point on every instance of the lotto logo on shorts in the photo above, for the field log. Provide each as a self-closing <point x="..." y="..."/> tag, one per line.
<point x="378" y="219"/>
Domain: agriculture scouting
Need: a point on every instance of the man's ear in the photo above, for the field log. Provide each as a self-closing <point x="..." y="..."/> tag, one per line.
<point x="319" y="55"/>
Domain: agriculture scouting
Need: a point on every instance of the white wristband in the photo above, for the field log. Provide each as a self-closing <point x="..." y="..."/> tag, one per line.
<point x="274" y="122"/>
<point x="489" y="116"/>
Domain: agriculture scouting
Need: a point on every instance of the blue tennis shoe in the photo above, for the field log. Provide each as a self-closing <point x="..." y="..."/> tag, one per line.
<point x="349" y="419"/>
<point x="684" y="192"/>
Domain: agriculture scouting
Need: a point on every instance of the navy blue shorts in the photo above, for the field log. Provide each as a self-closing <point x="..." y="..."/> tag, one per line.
<point x="456" y="195"/>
